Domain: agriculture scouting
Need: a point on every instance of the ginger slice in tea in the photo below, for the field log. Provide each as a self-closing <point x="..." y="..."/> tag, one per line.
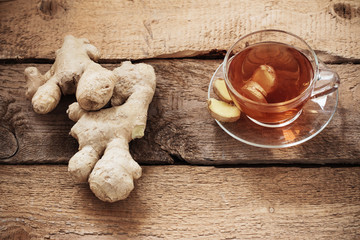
<point x="265" y="76"/>
<point x="254" y="91"/>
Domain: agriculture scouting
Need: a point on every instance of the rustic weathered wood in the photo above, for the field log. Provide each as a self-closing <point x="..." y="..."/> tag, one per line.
<point x="179" y="125"/>
<point x="177" y="201"/>
<point x="184" y="202"/>
<point x="148" y="29"/>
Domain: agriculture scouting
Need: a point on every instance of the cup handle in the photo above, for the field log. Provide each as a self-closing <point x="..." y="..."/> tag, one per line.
<point x="328" y="81"/>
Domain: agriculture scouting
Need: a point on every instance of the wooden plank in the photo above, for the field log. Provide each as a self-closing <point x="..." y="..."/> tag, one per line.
<point x="179" y="126"/>
<point x="149" y="29"/>
<point x="184" y="202"/>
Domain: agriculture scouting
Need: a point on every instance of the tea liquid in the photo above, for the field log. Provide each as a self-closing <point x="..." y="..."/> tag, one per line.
<point x="293" y="72"/>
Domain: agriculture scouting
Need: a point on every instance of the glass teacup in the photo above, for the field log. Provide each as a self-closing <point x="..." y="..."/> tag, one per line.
<point x="271" y="74"/>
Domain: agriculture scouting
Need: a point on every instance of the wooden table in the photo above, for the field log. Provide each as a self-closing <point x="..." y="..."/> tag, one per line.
<point x="198" y="182"/>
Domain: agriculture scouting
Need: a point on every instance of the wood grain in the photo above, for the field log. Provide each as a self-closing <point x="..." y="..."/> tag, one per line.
<point x="35" y="29"/>
<point x="179" y="126"/>
<point x="184" y="202"/>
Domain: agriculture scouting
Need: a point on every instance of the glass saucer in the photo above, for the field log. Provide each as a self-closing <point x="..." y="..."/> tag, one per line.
<point x="315" y="116"/>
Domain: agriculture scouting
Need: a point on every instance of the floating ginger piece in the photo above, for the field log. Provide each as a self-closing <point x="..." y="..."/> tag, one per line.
<point x="222" y="111"/>
<point x="253" y="91"/>
<point x="260" y="84"/>
<point x="265" y="76"/>
<point x="221" y="91"/>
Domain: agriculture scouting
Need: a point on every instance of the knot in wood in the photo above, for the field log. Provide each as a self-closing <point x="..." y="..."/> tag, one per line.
<point x="51" y="7"/>
<point x="346" y="11"/>
<point x="9" y="145"/>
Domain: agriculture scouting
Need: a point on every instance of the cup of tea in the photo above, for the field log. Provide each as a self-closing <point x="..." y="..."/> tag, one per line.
<point x="271" y="74"/>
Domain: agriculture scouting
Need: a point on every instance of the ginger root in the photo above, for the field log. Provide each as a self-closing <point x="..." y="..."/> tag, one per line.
<point x="107" y="133"/>
<point x="73" y="71"/>
<point x="103" y="158"/>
